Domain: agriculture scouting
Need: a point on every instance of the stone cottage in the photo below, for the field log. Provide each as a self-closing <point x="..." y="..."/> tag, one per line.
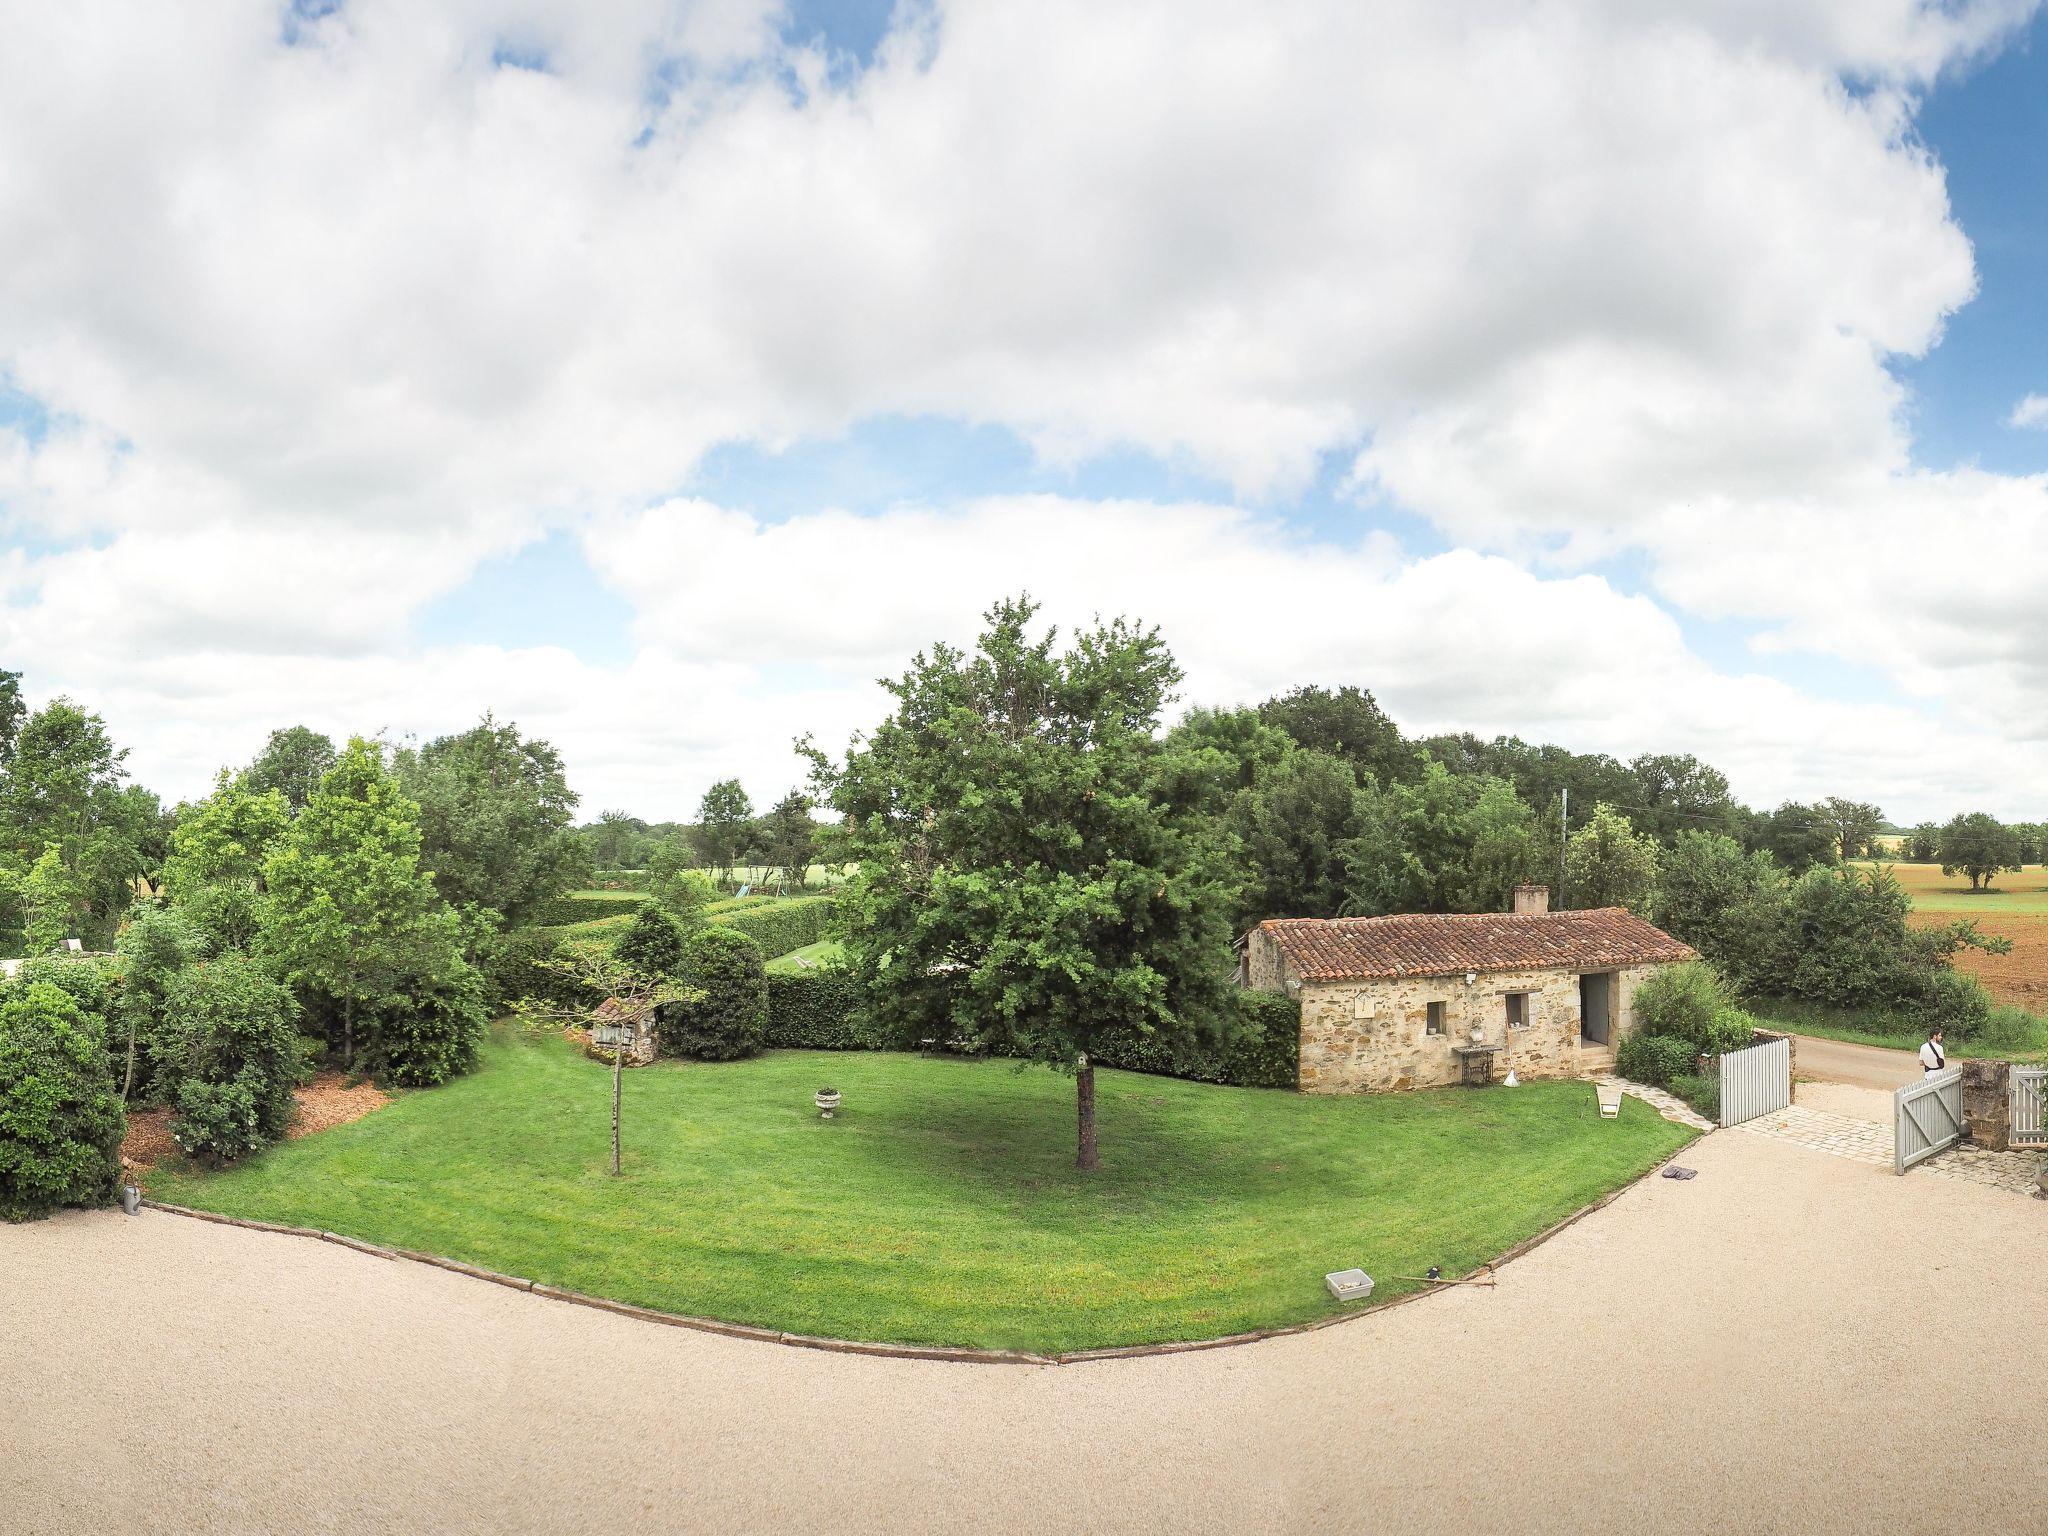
<point x="1425" y="1000"/>
<point x="618" y="1022"/>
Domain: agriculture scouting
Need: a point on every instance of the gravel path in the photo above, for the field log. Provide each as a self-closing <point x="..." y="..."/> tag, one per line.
<point x="1787" y="1342"/>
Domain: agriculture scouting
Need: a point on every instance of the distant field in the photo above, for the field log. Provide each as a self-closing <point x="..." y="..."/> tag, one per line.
<point x="2016" y="908"/>
<point x="810" y="957"/>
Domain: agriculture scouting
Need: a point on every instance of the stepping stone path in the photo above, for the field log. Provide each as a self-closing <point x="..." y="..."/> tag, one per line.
<point x="1868" y="1141"/>
<point x="1669" y="1105"/>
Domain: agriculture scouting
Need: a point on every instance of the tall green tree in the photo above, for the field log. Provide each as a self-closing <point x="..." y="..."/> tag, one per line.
<point x="12" y="709"/>
<point x="349" y="913"/>
<point x="496" y="813"/>
<point x="789" y="836"/>
<point x="1347" y="723"/>
<point x="1853" y="824"/>
<point x="215" y="868"/>
<point x="1294" y="825"/>
<point x="63" y="789"/>
<point x="1030" y="873"/>
<point x="293" y="762"/>
<point x="1797" y="837"/>
<point x="1608" y="863"/>
<point x="725" y="820"/>
<point x="1980" y="846"/>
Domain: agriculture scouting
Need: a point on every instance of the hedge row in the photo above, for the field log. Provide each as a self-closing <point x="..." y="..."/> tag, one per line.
<point x="782" y="926"/>
<point x="825" y="1010"/>
<point x="582" y="906"/>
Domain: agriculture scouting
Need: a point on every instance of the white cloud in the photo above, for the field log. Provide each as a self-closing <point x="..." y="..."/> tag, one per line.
<point x="2030" y="411"/>
<point x="318" y="327"/>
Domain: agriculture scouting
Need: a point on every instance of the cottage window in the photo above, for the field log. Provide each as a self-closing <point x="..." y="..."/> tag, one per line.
<point x="1518" y="1010"/>
<point x="1435" y="1019"/>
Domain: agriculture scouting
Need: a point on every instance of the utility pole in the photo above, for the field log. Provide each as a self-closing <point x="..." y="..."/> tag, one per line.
<point x="1564" y="832"/>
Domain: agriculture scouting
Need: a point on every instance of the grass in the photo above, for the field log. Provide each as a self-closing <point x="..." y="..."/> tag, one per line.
<point x="942" y="1206"/>
<point x="821" y="953"/>
<point x="2012" y="1035"/>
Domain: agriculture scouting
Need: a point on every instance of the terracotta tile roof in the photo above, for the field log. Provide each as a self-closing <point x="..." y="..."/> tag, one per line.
<point x="1444" y="944"/>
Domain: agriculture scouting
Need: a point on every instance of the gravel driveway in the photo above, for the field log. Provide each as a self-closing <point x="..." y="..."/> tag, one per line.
<point x="1788" y="1342"/>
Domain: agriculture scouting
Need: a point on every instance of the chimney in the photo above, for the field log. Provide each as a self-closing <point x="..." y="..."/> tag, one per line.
<point x="1532" y="898"/>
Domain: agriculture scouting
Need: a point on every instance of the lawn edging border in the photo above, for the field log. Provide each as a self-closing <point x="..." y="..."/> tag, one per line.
<point x="959" y="1354"/>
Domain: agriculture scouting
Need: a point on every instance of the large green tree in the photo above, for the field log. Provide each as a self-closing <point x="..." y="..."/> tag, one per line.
<point x="496" y="813"/>
<point x="789" y="837"/>
<point x="63" y="789"/>
<point x="1347" y="723"/>
<point x="348" y="911"/>
<point x="1031" y="873"/>
<point x="725" y="822"/>
<point x="1608" y="863"/>
<point x="1853" y="824"/>
<point x="293" y="762"/>
<point x="1980" y="846"/>
<point x="1294" y="825"/>
<point x="215" y="868"/>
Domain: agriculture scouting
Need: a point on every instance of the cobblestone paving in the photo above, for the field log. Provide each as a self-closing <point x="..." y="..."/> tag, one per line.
<point x="1670" y="1106"/>
<point x="1867" y="1141"/>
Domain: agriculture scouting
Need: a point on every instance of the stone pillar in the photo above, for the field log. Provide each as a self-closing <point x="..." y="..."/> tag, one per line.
<point x="1987" y="1104"/>
<point x="1766" y="1036"/>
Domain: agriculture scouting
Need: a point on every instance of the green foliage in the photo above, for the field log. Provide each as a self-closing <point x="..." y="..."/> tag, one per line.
<point x="1923" y="843"/>
<point x="1853" y="825"/>
<point x="215" y="870"/>
<point x="725" y="820"/>
<point x="1261" y="1050"/>
<point x="431" y="1033"/>
<point x="60" y="1123"/>
<point x="293" y="762"/>
<point x="1979" y="846"/>
<point x="1447" y="842"/>
<point x="821" y="1010"/>
<point x="1702" y="1093"/>
<point x="154" y="947"/>
<point x="1684" y="1002"/>
<point x="89" y="981"/>
<point x="1034" y="872"/>
<point x="727" y="1015"/>
<point x="1607" y="864"/>
<point x="586" y="906"/>
<point x="236" y="1027"/>
<point x="652" y="943"/>
<point x="62" y="791"/>
<point x="1294" y="824"/>
<point x="54" y="901"/>
<point x="523" y="967"/>
<point x="789" y="838"/>
<point x="1347" y="724"/>
<point x="1797" y="836"/>
<point x="349" y="914"/>
<point x="495" y="815"/>
<point x="1727" y="904"/>
<point x="1655" y="1059"/>
<point x="780" y="926"/>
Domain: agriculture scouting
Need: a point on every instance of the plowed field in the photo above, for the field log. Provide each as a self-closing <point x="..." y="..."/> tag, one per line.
<point x="2016" y="908"/>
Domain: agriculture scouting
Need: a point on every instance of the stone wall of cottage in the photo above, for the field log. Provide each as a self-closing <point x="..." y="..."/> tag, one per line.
<point x="1265" y="966"/>
<point x="1373" y="1036"/>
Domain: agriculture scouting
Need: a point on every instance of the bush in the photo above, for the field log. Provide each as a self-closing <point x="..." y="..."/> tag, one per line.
<point x="822" y="1010"/>
<point x="582" y="906"/>
<point x="60" y="1123"/>
<point x="431" y="1034"/>
<point x="729" y="1018"/>
<point x="155" y="947"/>
<point x="781" y="926"/>
<point x="238" y="1036"/>
<point x="1655" y="1059"/>
<point x="1261" y="1047"/>
<point x="1681" y="1002"/>
<point x="88" y="980"/>
<point x="1957" y="1004"/>
<point x="652" y="943"/>
<point x="1702" y="1093"/>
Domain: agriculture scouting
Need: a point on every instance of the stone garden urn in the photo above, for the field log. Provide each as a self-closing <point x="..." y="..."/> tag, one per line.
<point x="828" y="1101"/>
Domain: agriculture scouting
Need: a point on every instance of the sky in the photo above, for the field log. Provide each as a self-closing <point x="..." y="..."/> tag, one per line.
<point x="1642" y="375"/>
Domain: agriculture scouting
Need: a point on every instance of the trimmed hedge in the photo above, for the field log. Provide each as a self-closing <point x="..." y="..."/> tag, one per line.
<point x="727" y="1017"/>
<point x="825" y="1010"/>
<point x="781" y="926"/>
<point x="1655" y="1059"/>
<point x="581" y="906"/>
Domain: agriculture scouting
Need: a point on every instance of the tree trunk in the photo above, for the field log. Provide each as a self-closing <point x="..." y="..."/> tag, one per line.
<point x="348" y="1034"/>
<point x="618" y="1061"/>
<point x="1084" y="1091"/>
<point x="128" y="1077"/>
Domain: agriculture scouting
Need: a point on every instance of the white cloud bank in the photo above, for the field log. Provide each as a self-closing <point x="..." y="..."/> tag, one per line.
<point x="321" y="315"/>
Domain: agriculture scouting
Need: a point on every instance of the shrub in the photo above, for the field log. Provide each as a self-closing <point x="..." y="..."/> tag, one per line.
<point x="155" y="946"/>
<point x="60" y="1123"/>
<point x="1957" y="1004"/>
<point x="652" y="943"/>
<point x="822" y="1010"/>
<point x="1261" y="1046"/>
<point x="1702" y="1093"/>
<point x="582" y="906"/>
<point x="237" y="1028"/>
<point x="431" y="1034"/>
<point x="88" y="980"/>
<point x="1681" y="1002"/>
<point x="781" y="926"/>
<point x="729" y="1017"/>
<point x="1655" y="1059"/>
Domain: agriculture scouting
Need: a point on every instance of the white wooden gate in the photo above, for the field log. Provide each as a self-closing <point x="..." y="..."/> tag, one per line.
<point x="1756" y="1081"/>
<point x="2029" y="1099"/>
<point x="1928" y="1117"/>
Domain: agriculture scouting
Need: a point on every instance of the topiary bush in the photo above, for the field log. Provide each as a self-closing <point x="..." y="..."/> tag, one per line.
<point x="781" y="926"/>
<point x="652" y="943"/>
<point x="1655" y="1059"/>
<point x="60" y="1121"/>
<point x="431" y="1033"/>
<point x="729" y="1016"/>
<point x="582" y="906"/>
<point x="237" y="1027"/>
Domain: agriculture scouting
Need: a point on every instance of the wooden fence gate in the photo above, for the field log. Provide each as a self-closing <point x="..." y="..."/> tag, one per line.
<point x="1927" y="1117"/>
<point x="1755" y="1081"/>
<point x="2029" y="1107"/>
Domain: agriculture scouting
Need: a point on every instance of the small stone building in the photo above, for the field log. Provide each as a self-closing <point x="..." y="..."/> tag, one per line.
<point x="1422" y="1001"/>
<point x="620" y="1023"/>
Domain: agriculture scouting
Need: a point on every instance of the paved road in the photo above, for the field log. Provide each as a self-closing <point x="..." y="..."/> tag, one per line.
<point x="1860" y="1066"/>
<point x="1789" y="1342"/>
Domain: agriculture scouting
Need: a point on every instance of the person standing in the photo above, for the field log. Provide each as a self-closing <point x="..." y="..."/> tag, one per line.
<point x="1932" y="1056"/>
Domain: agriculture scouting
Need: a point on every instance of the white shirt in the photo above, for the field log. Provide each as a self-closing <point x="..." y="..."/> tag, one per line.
<point x="1933" y="1057"/>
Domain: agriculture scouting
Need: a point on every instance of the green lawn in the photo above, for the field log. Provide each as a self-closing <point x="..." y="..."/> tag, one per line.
<point x="820" y="953"/>
<point x="942" y="1205"/>
<point x="2013" y="1035"/>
